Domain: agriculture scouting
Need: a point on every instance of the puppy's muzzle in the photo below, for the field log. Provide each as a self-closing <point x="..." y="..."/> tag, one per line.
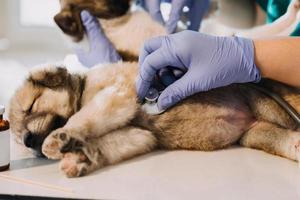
<point x="34" y="142"/>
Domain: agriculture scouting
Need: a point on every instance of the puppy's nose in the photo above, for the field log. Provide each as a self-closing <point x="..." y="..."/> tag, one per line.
<point x="29" y="140"/>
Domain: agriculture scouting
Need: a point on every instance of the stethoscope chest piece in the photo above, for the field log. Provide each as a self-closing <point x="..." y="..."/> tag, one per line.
<point x="150" y="106"/>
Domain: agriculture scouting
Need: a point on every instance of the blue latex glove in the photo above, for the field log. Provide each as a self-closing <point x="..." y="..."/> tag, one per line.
<point x="101" y="49"/>
<point x="209" y="62"/>
<point x="197" y="9"/>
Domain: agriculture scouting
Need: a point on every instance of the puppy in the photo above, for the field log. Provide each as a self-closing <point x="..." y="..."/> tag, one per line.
<point x="93" y="120"/>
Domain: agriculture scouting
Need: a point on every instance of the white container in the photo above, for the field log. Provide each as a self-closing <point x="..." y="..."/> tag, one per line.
<point x="4" y="141"/>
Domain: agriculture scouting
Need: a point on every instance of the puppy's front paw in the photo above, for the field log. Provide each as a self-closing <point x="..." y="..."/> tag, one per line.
<point x="59" y="142"/>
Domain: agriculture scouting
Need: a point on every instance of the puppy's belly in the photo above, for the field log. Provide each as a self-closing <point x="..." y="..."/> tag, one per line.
<point x="206" y="121"/>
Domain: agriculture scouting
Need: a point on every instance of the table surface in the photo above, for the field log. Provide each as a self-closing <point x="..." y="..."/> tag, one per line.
<point x="234" y="173"/>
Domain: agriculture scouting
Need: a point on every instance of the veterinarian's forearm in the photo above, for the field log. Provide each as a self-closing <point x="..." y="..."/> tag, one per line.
<point x="278" y="59"/>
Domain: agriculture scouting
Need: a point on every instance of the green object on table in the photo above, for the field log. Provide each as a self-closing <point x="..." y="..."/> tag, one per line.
<point x="275" y="9"/>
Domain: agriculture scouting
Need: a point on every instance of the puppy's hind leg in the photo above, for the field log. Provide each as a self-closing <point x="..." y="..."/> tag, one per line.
<point x="112" y="148"/>
<point x="273" y="139"/>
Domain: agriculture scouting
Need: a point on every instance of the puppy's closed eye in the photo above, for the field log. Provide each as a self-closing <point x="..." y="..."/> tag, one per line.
<point x="29" y="110"/>
<point x="43" y="123"/>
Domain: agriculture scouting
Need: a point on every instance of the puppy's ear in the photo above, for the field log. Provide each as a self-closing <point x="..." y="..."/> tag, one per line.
<point x="70" y="23"/>
<point x="50" y="76"/>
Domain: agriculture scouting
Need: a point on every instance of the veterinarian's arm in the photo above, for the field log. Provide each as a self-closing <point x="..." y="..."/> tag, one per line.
<point x="101" y="49"/>
<point x="279" y="59"/>
<point x="197" y="9"/>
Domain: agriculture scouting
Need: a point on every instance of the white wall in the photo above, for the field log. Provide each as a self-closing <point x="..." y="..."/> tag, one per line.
<point x="22" y="37"/>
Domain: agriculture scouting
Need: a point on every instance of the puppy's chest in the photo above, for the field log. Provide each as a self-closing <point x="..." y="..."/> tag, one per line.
<point x="111" y="81"/>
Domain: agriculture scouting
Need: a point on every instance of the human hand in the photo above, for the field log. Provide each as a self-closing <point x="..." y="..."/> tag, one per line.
<point x="101" y="49"/>
<point x="197" y="9"/>
<point x="209" y="62"/>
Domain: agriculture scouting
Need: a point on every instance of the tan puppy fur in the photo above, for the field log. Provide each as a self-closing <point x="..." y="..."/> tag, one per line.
<point x="139" y="23"/>
<point x="92" y="120"/>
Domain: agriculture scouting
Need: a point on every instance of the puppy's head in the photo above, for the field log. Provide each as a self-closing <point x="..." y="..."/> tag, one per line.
<point x="44" y="103"/>
<point x="69" y="19"/>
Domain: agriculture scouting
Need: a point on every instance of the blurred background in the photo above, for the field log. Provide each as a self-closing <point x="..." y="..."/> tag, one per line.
<point x="28" y="35"/>
<point x="27" y="29"/>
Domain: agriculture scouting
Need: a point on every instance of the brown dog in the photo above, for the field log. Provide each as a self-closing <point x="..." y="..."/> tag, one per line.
<point x="92" y="120"/>
<point x="69" y="18"/>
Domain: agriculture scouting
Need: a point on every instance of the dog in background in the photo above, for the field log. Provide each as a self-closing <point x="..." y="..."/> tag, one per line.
<point x="93" y="120"/>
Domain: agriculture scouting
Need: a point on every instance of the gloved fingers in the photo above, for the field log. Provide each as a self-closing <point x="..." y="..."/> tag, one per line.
<point x="101" y="49"/>
<point x="114" y="55"/>
<point x="92" y="26"/>
<point x="153" y="7"/>
<point x="82" y="58"/>
<point x="152" y="63"/>
<point x="198" y="9"/>
<point x="80" y="53"/>
<point x="142" y="88"/>
<point x="149" y="46"/>
<point x="105" y="47"/>
<point x="166" y="76"/>
<point x="177" y="72"/>
<point x="97" y="38"/>
<point x="175" y="92"/>
<point x="175" y="14"/>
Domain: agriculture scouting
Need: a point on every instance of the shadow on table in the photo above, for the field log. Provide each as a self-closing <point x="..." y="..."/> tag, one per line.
<point x="152" y="155"/>
<point x="29" y="163"/>
<point x="130" y="161"/>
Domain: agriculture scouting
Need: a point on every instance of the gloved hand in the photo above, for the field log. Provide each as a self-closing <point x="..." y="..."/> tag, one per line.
<point x="101" y="49"/>
<point x="197" y="9"/>
<point x="209" y="62"/>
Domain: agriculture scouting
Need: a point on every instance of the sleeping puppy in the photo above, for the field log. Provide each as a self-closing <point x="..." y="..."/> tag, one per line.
<point x="93" y="120"/>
